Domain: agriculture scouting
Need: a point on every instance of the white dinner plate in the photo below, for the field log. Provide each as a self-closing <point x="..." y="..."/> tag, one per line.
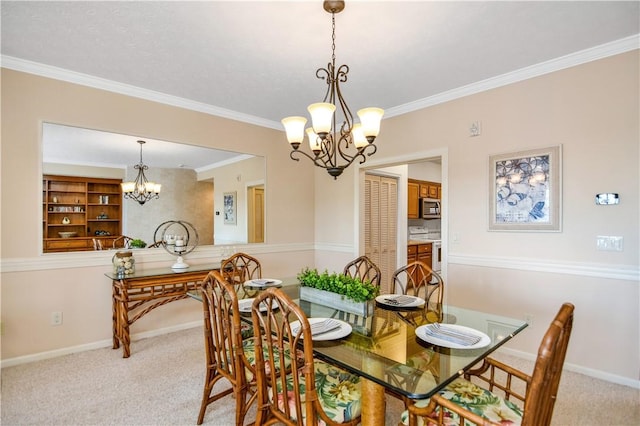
<point x="383" y="299"/>
<point x="343" y="331"/>
<point x="244" y="305"/>
<point x="484" y="339"/>
<point x="263" y="283"/>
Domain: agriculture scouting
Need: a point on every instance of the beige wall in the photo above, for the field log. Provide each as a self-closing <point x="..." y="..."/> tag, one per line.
<point x="591" y="110"/>
<point x="34" y="285"/>
<point x="182" y="198"/>
<point x="234" y="178"/>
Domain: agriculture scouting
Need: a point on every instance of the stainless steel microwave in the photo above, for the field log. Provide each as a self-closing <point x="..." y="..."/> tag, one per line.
<point x="429" y="208"/>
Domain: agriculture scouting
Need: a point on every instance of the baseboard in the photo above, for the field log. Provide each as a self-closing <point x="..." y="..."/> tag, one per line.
<point x="94" y="345"/>
<point x="590" y="372"/>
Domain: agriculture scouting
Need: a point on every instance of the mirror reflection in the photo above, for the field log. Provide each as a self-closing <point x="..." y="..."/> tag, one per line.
<point x="221" y="193"/>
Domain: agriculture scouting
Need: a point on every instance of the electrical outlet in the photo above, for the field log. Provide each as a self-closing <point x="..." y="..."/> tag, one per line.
<point x="56" y="318"/>
<point x="528" y="318"/>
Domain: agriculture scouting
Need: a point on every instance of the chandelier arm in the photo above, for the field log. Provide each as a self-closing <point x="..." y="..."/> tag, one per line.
<point x="310" y="157"/>
<point x="345" y="140"/>
<point x="325" y="74"/>
<point x="323" y="163"/>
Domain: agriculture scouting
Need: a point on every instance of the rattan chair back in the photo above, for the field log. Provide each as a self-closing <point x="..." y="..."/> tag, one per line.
<point x="239" y="268"/>
<point x="284" y="361"/>
<point x="122" y="242"/>
<point x="224" y="347"/>
<point x="418" y="279"/>
<point x="363" y="269"/>
<point x="543" y="389"/>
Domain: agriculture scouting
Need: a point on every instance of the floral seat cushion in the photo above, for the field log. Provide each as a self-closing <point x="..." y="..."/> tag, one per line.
<point x="339" y="393"/>
<point x="246" y="330"/>
<point x="475" y="399"/>
<point x="249" y="348"/>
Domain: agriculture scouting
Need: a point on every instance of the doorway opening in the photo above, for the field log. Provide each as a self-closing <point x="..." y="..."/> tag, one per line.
<point x="255" y="213"/>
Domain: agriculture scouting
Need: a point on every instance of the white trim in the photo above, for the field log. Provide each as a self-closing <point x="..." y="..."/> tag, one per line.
<point x="11" y="362"/>
<point x="103" y="258"/>
<point x="598" y="52"/>
<point x="615" y="272"/>
<point x="62" y="74"/>
<point x="214" y="254"/>
<point x="340" y="248"/>
<point x="577" y="58"/>
<point x="590" y="372"/>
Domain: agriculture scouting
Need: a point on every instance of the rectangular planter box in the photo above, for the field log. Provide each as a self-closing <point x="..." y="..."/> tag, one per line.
<point x="336" y="301"/>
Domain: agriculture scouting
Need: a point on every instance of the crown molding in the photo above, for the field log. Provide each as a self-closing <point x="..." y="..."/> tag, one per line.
<point x="588" y="55"/>
<point x="62" y="74"/>
<point x="599" y="52"/>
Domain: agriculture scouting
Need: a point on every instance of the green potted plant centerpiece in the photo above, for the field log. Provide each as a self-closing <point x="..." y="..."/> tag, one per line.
<point x="337" y="291"/>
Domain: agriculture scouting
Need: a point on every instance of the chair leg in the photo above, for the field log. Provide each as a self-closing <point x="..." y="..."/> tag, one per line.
<point x="241" y="407"/>
<point x="208" y="387"/>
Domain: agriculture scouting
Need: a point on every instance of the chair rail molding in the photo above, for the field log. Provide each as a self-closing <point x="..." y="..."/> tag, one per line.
<point x="615" y="272"/>
<point x="103" y="257"/>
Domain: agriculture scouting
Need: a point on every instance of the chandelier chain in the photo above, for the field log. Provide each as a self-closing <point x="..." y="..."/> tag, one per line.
<point x="333" y="38"/>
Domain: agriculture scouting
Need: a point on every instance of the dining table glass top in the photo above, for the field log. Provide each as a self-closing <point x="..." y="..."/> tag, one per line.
<point x="384" y="347"/>
<point x="155" y="272"/>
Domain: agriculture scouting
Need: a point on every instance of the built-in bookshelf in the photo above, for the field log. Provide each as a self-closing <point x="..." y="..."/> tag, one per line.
<point x="78" y="210"/>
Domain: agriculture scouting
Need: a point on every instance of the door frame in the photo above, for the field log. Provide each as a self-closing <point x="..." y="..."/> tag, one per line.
<point x="380" y="163"/>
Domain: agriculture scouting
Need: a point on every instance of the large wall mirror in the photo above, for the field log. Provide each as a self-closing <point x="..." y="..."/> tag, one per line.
<point x="220" y="192"/>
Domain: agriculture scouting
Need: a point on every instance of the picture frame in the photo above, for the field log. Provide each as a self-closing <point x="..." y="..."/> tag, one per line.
<point x="525" y="190"/>
<point x="230" y="208"/>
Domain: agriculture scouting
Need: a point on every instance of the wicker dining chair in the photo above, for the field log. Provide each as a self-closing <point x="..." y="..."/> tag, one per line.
<point x="297" y="390"/>
<point x="463" y="401"/>
<point x="364" y="269"/>
<point x="122" y="242"/>
<point x="239" y="268"/>
<point x="228" y="356"/>
<point x="418" y="279"/>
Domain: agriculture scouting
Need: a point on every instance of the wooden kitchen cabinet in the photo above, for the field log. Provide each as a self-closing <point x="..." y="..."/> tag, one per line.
<point x="417" y="189"/>
<point x="421" y="252"/>
<point x="413" y="200"/>
<point x="430" y="190"/>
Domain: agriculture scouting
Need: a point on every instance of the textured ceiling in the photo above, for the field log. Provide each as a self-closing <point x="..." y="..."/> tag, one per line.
<point x="256" y="61"/>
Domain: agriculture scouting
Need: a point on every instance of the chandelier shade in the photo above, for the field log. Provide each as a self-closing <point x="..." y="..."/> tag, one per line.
<point x="141" y="190"/>
<point x="334" y="147"/>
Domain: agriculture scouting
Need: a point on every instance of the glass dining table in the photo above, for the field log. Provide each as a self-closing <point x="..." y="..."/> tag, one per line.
<point x="391" y="353"/>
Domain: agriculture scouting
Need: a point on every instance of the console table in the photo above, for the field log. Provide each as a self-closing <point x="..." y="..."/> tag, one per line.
<point x="137" y="294"/>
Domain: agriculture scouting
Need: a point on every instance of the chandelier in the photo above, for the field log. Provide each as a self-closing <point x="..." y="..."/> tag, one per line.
<point x="332" y="149"/>
<point x="141" y="190"/>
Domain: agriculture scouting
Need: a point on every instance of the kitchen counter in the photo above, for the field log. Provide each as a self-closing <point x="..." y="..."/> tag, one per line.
<point x="417" y="242"/>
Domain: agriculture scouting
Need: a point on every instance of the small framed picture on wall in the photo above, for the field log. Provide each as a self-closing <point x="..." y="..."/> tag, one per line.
<point x="230" y="208"/>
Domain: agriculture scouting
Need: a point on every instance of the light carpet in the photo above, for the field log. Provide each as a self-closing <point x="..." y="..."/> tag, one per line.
<point x="161" y="384"/>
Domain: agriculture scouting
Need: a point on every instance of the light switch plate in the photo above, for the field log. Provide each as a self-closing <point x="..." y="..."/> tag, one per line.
<point x="607" y="198"/>
<point x="609" y="243"/>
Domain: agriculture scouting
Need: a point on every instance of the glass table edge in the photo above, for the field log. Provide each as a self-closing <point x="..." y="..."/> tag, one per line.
<point x="459" y="373"/>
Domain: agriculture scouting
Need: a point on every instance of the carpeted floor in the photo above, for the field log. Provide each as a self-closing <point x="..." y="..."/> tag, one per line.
<point x="161" y="384"/>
